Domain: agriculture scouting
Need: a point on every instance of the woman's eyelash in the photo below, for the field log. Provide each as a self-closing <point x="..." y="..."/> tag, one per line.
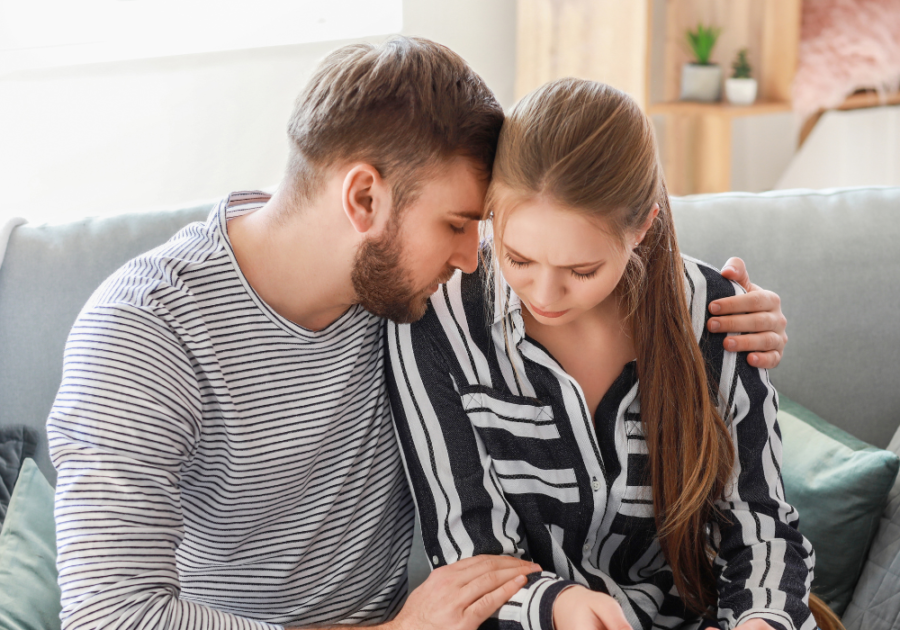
<point x="580" y="276"/>
<point x="515" y="263"/>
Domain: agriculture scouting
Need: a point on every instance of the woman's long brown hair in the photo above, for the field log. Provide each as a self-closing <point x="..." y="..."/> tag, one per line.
<point x="589" y="147"/>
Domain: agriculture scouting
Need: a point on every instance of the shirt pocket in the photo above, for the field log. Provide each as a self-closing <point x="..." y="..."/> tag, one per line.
<point x="521" y="437"/>
<point x="518" y="415"/>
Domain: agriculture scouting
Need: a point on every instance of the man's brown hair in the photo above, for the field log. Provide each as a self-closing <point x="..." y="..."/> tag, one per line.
<point x="403" y="107"/>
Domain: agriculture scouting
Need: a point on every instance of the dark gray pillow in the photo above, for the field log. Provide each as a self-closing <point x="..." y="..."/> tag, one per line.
<point x="16" y="443"/>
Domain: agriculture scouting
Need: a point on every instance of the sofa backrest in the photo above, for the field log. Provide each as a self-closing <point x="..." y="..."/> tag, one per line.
<point x="833" y="256"/>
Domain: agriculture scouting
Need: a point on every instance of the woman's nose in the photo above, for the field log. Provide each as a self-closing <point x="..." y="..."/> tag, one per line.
<point x="547" y="291"/>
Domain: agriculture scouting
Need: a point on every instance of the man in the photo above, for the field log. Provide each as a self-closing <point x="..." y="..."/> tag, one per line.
<point x="222" y="432"/>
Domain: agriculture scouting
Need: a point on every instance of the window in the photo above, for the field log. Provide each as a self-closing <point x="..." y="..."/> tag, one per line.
<point x="46" y="33"/>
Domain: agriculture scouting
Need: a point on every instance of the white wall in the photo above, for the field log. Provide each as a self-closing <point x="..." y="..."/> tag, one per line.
<point x="107" y="138"/>
<point x="762" y="148"/>
<point x="852" y="148"/>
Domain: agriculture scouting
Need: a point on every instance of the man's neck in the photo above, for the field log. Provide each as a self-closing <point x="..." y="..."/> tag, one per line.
<point x="295" y="260"/>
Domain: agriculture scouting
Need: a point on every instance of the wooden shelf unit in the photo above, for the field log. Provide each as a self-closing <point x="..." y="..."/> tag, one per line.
<point x="725" y="110"/>
<point x="639" y="46"/>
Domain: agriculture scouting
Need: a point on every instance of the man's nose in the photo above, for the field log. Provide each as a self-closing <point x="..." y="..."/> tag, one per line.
<point x="465" y="255"/>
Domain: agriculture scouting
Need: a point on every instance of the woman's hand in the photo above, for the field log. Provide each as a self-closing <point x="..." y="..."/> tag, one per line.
<point x="758" y="312"/>
<point x="754" y="624"/>
<point x="578" y="608"/>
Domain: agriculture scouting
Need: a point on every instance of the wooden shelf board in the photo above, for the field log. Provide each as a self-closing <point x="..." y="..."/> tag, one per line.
<point x="861" y="100"/>
<point x="719" y="109"/>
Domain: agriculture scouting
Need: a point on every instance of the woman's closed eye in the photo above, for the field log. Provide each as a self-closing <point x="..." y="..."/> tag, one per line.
<point x="516" y="263"/>
<point x="579" y="275"/>
<point x="585" y="276"/>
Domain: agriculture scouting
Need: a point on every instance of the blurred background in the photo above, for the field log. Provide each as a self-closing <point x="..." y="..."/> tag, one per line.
<point x="109" y="106"/>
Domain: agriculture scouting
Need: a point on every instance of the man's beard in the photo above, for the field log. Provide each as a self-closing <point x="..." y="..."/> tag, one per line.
<point x="383" y="286"/>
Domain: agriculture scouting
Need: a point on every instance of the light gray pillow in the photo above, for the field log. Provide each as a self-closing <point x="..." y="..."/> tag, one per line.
<point x="876" y="600"/>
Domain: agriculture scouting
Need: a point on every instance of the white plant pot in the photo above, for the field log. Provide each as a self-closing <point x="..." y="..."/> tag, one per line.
<point x="701" y="83"/>
<point x="740" y="91"/>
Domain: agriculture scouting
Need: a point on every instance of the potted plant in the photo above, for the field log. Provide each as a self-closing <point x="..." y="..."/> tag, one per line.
<point x="701" y="80"/>
<point x="740" y="89"/>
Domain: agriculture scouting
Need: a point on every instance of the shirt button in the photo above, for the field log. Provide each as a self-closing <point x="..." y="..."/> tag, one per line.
<point x="595" y="485"/>
<point x="435" y="560"/>
<point x="587" y="548"/>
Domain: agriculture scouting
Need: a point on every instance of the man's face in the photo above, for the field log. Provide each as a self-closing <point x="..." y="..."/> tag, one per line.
<point x="396" y="273"/>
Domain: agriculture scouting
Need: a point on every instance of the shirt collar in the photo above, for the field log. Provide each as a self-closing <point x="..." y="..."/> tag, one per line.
<point x="508" y="308"/>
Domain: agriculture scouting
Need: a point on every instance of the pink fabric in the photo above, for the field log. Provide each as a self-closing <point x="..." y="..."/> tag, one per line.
<point x="846" y="45"/>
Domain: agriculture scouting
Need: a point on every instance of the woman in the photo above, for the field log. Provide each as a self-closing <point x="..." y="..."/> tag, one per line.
<point x="566" y="404"/>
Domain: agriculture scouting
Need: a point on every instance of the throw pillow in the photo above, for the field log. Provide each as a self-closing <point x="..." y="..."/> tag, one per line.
<point x="839" y="485"/>
<point x="16" y="443"/>
<point x="876" y="600"/>
<point x="29" y="594"/>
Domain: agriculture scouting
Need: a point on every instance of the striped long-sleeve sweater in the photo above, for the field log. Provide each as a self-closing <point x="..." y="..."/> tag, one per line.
<point x="505" y="458"/>
<point x="219" y="466"/>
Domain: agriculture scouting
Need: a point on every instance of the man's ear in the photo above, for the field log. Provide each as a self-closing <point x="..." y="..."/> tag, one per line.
<point x="365" y="198"/>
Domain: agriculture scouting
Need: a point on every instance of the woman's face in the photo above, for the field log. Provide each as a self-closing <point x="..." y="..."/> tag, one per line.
<point x="561" y="263"/>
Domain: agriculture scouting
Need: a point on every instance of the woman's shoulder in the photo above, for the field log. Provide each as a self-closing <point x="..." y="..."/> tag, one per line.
<point x="703" y="285"/>
<point x="705" y="280"/>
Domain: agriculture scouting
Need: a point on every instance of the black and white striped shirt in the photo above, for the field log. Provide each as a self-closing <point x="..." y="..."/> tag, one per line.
<point x="219" y="466"/>
<point x="504" y="458"/>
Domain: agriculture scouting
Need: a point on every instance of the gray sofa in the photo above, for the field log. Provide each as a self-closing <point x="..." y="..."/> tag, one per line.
<point x="833" y="256"/>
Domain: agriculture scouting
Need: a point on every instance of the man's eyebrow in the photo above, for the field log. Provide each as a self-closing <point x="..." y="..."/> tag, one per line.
<point x="471" y="215"/>
<point x="575" y="266"/>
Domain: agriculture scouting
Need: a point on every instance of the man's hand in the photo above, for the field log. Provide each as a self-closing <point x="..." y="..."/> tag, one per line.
<point x="578" y="608"/>
<point x="758" y="311"/>
<point x="462" y="595"/>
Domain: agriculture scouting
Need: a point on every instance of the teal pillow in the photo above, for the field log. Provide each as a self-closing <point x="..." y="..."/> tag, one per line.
<point x="29" y="593"/>
<point x="839" y="485"/>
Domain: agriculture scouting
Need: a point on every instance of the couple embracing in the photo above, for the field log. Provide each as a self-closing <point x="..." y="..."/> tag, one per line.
<point x="244" y="408"/>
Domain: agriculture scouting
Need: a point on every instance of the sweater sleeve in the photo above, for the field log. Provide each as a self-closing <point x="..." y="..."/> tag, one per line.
<point x="124" y="422"/>
<point x="458" y="496"/>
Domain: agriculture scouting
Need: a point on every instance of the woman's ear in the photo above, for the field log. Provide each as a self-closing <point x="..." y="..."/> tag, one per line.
<point x="654" y="212"/>
<point x="365" y="198"/>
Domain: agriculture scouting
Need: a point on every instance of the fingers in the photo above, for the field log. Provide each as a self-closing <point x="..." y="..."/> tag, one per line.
<point x="753" y="302"/>
<point x="490" y="582"/>
<point x="758" y="342"/>
<point x="470" y="568"/>
<point x="762" y="322"/>
<point x="490" y="602"/>
<point x="736" y="270"/>
<point x="765" y="360"/>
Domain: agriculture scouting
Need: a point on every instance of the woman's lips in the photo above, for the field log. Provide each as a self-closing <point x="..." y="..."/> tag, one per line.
<point x="550" y="314"/>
